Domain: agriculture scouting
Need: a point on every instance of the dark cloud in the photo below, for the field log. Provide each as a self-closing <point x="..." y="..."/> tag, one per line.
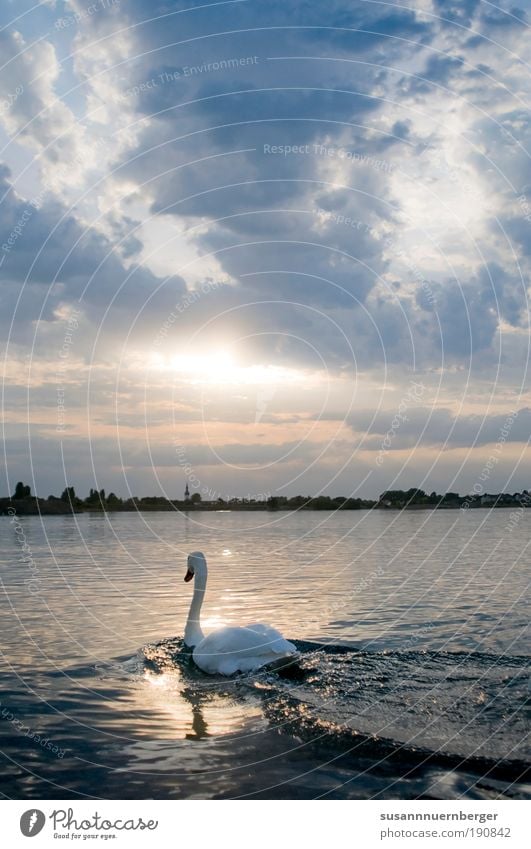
<point x="437" y="427"/>
<point x="457" y="11"/>
<point x="504" y="293"/>
<point x="519" y="229"/>
<point x="50" y="259"/>
<point x="462" y="317"/>
<point x="503" y="19"/>
<point x="439" y="70"/>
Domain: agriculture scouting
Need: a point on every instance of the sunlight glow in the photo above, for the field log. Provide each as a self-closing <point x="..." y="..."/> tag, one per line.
<point x="213" y="366"/>
<point x="221" y="367"/>
<point x="213" y="622"/>
<point x="157" y="680"/>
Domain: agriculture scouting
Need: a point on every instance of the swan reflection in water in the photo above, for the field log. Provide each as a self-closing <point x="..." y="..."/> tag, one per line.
<point x="186" y="706"/>
<point x="196" y="712"/>
<point x="199" y="723"/>
<point x="183" y="698"/>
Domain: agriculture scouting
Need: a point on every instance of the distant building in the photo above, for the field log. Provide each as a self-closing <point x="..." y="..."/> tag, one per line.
<point x="187" y="493"/>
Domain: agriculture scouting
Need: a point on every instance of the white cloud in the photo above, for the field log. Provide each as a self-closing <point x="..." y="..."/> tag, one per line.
<point x="37" y="117"/>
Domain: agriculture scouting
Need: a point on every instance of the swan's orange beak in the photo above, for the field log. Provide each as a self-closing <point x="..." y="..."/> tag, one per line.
<point x="189" y="575"/>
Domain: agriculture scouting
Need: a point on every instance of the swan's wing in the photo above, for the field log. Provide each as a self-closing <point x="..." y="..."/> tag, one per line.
<point x="272" y="637"/>
<point x="231" y="650"/>
<point x="251" y="640"/>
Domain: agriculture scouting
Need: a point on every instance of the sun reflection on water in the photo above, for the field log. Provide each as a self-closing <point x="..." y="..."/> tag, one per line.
<point x="195" y="709"/>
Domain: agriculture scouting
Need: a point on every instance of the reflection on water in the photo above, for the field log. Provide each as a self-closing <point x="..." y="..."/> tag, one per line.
<point x="193" y="712"/>
<point x="419" y="686"/>
<point x="190" y="724"/>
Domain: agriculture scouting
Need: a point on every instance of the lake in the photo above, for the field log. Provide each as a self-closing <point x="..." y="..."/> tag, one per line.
<point x="413" y="629"/>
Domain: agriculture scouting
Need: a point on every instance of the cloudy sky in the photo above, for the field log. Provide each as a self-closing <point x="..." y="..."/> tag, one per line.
<point x="266" y="247"/>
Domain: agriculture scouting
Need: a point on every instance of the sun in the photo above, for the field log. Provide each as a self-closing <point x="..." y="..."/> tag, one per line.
<point x="215" y="366"/>
<point x="220" y="366"/>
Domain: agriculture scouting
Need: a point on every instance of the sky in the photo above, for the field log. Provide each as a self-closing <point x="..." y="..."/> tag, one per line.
<point x="265" y="248"/>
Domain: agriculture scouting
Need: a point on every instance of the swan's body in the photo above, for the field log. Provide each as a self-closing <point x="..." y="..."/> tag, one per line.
<point x="233" y="649"/>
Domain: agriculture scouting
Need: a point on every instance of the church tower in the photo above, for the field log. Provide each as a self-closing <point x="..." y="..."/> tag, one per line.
<point x="187" y="493"/>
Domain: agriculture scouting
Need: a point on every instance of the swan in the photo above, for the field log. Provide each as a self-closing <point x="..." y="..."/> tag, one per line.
<point x="232" y="649"/>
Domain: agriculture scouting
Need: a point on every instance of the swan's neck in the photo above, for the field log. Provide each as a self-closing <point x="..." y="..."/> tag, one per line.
<point x="193" y="633"/>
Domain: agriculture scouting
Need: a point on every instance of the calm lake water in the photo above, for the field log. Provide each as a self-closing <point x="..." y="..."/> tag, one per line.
<point x="414" y="637"/>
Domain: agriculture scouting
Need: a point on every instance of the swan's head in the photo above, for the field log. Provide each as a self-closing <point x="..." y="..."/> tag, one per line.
<point x="196" y="563"/>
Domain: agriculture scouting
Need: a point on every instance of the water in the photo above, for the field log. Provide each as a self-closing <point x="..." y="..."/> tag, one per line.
<point x="412" y="628"/>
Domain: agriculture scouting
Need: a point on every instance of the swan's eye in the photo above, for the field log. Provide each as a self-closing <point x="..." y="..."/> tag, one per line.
<point x="189" y="575"/>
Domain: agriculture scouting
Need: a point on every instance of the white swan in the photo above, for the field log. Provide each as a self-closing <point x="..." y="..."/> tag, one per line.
<point x="228" y="650"/>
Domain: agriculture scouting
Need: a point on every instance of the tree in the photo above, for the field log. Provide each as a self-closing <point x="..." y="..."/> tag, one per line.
<point x="196" y="498"/>
<point x="321" y="502"/>
<point x="401" y="497"/>
<point x="297" y="501"/>
<point x="68" y="495"/>
<point x="22" y="491"/>
<point x="95" y="497"/>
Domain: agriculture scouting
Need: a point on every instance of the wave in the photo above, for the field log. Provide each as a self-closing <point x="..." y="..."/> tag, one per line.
<point x="448" y="710"/>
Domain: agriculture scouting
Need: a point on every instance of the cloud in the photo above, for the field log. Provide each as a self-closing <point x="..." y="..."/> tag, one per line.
<point x="436" y="427"/>
<point x="36" y="115"/>
<point x="456" y="12"/>
<point x="272" y="220"/>
<point x="49" y="259"/>
<point x="439" y="70"/>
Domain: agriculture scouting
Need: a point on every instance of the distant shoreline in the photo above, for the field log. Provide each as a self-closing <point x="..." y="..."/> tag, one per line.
<point x="40" y="507"/>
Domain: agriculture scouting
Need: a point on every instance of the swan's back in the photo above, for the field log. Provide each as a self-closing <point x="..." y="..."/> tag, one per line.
<point x="233" y="649"/>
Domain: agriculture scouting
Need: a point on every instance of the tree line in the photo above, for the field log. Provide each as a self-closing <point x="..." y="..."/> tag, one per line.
<point x="97" y="499"/>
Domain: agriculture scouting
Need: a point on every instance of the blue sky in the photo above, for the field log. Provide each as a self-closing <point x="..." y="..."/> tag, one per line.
<point x="268" y="247"/>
